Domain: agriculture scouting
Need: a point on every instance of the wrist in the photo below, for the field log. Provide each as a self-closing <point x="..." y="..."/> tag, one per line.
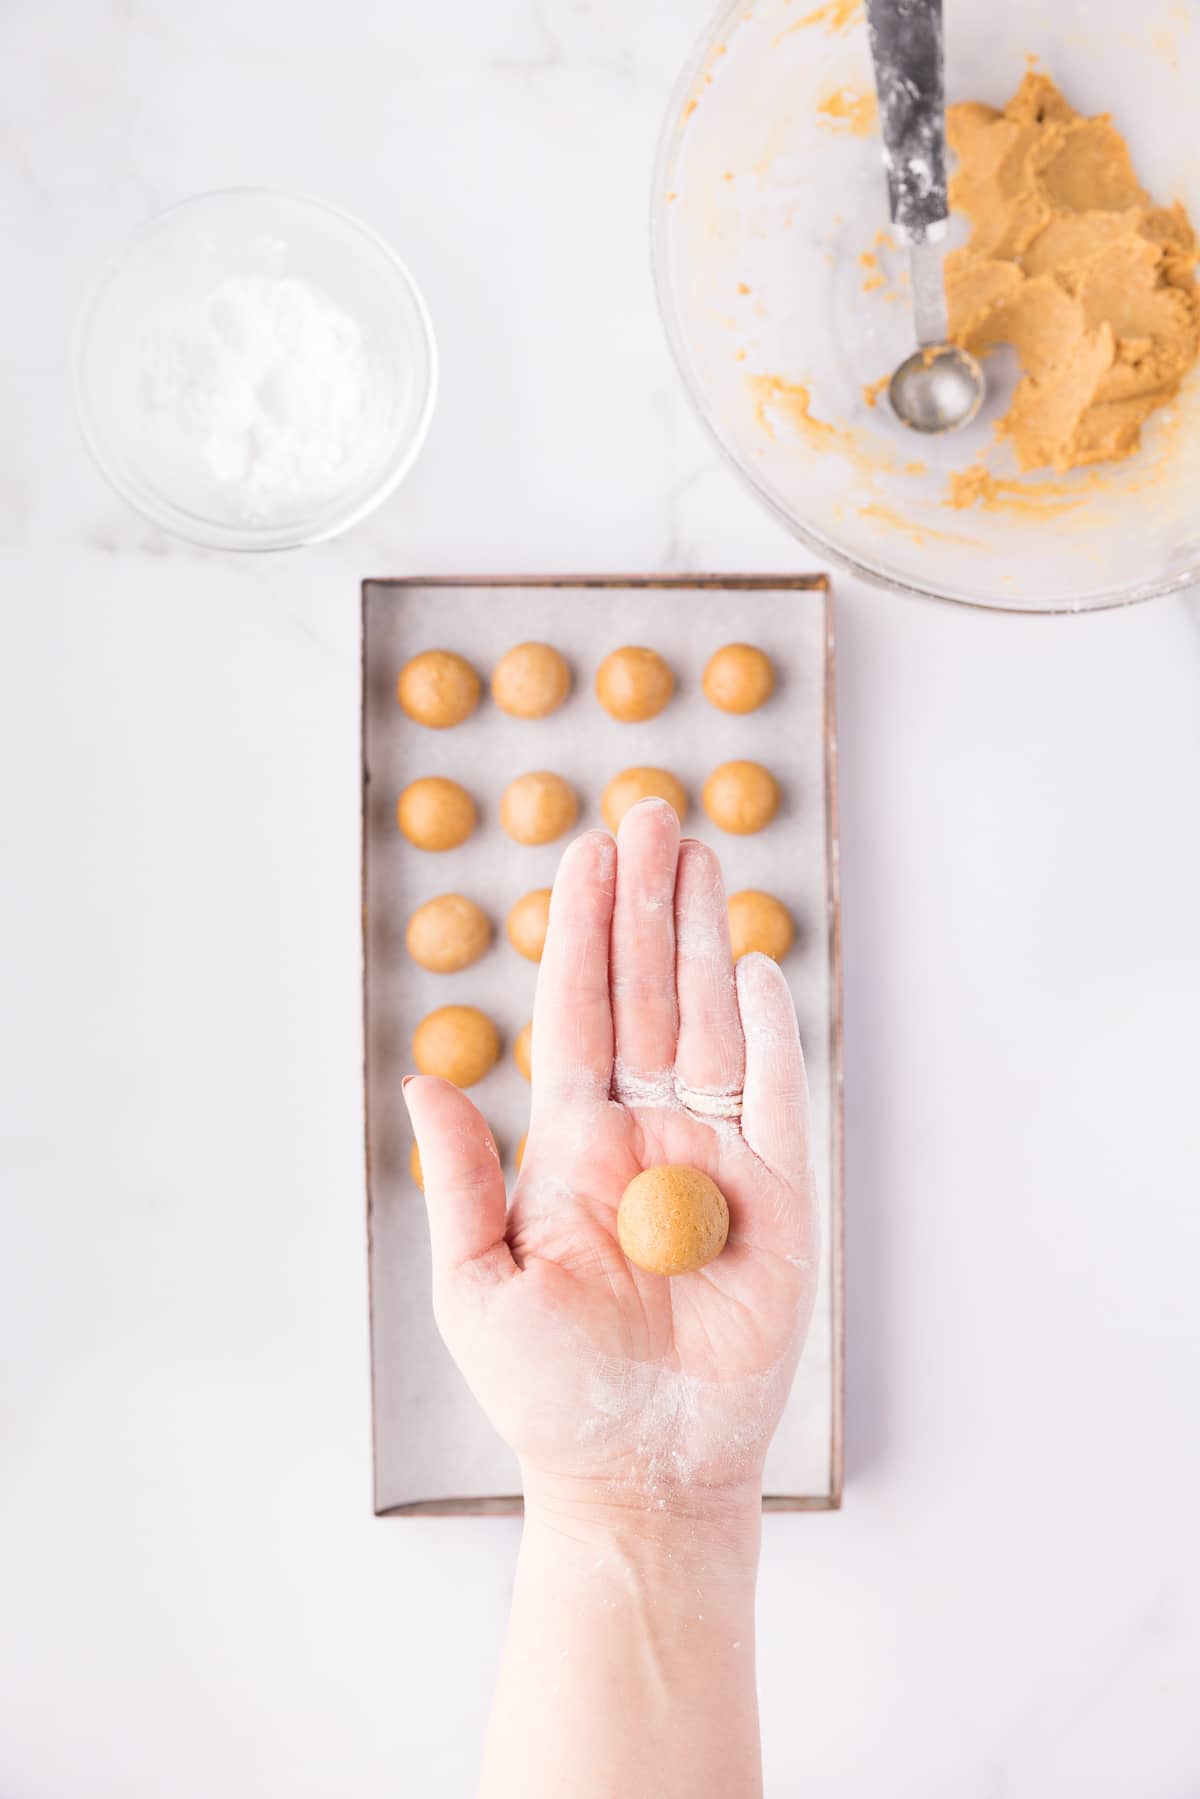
<point x="631" y="1647"/>
<point x="720" y="1526"/>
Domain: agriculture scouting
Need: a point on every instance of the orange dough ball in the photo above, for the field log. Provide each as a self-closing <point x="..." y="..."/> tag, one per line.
<point x="414" y="1167"/>
<point x="448" y="933"/>
<point x="634" y="684"/>
<point x="438" y="688"/>
<point x="520" y="1156"/>
<point x="672" y="1220"/>
<point x="758" y="921"/>
<point x="435" y="813"/>
<point x="527" y="923"/>
<point x="741" y="797"/>
<point x="531" y="681"/>
<point x="538" y="807"/>
<point x="634" y="784"/>
<point x="523" y="1050"/>
<point x="459" y="1043"/>
<point x="738" y="678"/>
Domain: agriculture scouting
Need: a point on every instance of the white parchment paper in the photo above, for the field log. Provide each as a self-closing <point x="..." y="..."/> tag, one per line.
<point x="432" y="1442"/>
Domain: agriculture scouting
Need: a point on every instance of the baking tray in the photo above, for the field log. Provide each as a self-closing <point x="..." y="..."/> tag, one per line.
<point x="434" y="1451"/>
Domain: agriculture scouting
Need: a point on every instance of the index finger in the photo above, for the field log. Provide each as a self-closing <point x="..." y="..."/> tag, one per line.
<point x="572" y="1013"/>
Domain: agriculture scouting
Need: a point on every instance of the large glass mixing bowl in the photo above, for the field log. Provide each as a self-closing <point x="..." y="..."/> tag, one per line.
<point x="785" y="300"/>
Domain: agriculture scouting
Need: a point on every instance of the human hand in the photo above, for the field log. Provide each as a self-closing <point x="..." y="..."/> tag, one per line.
<point x="608" y="1382"/>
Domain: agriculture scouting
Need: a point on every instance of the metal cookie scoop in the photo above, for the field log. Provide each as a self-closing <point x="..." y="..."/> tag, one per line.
<point x="940" y="387"/>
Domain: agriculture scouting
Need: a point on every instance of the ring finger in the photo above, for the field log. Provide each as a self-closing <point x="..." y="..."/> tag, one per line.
<point x="710" y="1060"/>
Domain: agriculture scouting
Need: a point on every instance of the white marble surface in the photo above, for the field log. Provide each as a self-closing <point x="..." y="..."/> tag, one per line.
<point x="194" y="1597"/>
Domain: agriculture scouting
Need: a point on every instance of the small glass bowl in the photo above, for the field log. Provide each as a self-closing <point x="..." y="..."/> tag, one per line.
<point x="176" y="261"/>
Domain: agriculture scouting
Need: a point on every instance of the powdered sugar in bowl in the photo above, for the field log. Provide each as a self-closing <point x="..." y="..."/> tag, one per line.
<point x="255" y="370"/>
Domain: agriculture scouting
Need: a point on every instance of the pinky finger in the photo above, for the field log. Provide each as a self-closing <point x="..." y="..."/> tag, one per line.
<point x="775" y="1107"/>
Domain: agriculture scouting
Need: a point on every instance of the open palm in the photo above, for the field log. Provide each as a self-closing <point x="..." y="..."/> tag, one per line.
<point x="644" y="1043"/>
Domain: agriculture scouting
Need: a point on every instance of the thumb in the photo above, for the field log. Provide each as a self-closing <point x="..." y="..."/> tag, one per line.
<point x="464" y="1188"/>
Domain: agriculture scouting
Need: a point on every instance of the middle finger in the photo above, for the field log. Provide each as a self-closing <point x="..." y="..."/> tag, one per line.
<point x="645" y="1017"/>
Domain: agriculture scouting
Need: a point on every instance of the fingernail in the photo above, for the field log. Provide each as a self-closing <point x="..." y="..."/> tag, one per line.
<point x="406" y="1082"/>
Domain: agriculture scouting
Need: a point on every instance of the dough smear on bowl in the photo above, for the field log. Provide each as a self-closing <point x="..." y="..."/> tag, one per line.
<point x="1072" y="263"/>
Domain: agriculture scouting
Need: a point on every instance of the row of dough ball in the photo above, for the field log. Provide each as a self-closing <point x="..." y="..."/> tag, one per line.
<point x="436" y="813"/>
<point x="451" y="932"/>
<point x="439" y="688"/>
<point x="462" y="1044"/>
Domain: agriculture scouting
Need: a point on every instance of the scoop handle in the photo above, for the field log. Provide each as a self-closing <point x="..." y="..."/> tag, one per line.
<point x="906" y="48"/>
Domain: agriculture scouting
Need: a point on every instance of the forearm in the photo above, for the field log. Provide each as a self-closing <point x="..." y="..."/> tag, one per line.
<point x="628" y="1672"/>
